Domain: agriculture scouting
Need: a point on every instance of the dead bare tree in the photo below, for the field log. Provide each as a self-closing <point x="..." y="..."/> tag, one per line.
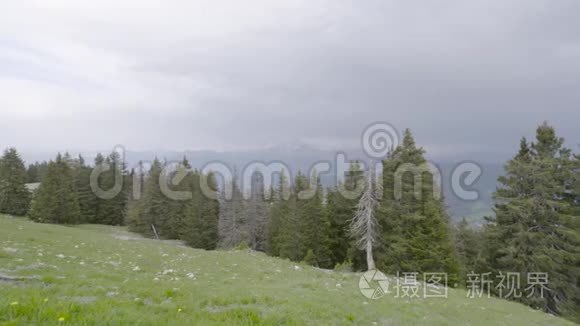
<point x="257" y="211"/>
<point x="364" y="226"/>
<point x="233" y="221"/>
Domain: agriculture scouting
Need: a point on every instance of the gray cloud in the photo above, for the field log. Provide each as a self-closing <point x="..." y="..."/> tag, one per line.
<point x="469" y="77"/>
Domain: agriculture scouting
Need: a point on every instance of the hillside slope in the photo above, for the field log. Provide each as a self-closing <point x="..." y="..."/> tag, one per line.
<point x="90" y="275"/>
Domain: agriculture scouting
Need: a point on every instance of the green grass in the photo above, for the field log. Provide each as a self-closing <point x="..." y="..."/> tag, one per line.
<point x="97" y="275"/>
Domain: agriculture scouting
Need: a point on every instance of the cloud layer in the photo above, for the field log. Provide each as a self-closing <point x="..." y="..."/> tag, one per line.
<point x="467" y="76"/>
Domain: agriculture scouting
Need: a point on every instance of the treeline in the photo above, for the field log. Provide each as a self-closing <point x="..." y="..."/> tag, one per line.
<point x="36" y="171"/>
<point x="413" y="232"/>
<point x="535" y="227"/>
<point x="65" y="194"/>
<point x="174" y="207"/>
<point x="297" y="219"/>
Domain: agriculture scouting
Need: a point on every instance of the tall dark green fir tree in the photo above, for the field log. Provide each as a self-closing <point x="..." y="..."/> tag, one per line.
<point x="111" y="210"/>
<point x="201" y="225"/>
<point x="415" y="226"/>
<point x="341" y="204"/>
<point x="85" y="196"/>
<point x="55" y="200"/>
<point x="468" y="246"/>
<point x="14" y="196"/>
<point x="151" y="212"/>
<point x="316" y="224"/>
<point x="279" y="211"/>
<point x="535" y="229"/>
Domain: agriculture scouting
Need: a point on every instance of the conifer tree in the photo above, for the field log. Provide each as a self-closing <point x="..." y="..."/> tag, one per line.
<point x="341" y="206"/>
<point x="415" y="227"/>
<point x="316" y="224"/>
<point x="85" y="196"/>
<point x="150" y="214"/>
<point x="111" y="211"/>
<point x="304" y="223"/>
<point x="181" y="181"/>
<point x="292" y="241"/>
<point x="55" y="201"/>
<point x="186" y="213"/>
<point x="310" y="258"/>
<point x="278" y="213"/>
<point x="201" y="224"/>
<point x="32" y="173"/>
<point x="36" y="171"/>
<point x="468" y="243"/>
<point x="135" y="201"/>
<point x="14" y="196"/>
<point x="536" y="226"/>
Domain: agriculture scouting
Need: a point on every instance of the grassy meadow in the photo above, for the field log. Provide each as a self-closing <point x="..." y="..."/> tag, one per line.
<point x="98" y="275"/>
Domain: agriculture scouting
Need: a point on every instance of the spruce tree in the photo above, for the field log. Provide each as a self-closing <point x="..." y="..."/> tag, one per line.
<point x="55" y="201"/>
<point x="150" y="213"/>
<point x="182" y="181"/>
<point x="415" y="227"/>
<point x="111" y="211"/>
<point x="341" y="204"/>
<point x="292" y="241"/>
<point x="468" y="243"/>
<point x="201" y="224"/>
<point x="36" y="171"/>
<point x="316" y="225"/>
<point x="32" y="173"/>
<point x="279" y="211"/>
<point x="135" y="201"/>
<point x="536" y="226"/>
<point x="85" y="196"/>
<point x="304" y="223"/>
<point x="14" y="196"/>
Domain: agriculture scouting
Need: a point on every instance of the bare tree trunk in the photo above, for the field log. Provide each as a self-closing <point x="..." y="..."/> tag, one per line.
<point x="155" y="231"/>
<point x="370" y="259"/>
<point x="364" y="225"/>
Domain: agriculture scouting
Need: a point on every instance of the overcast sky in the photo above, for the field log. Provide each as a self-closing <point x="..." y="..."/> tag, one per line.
<point x="465" y="76"/>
